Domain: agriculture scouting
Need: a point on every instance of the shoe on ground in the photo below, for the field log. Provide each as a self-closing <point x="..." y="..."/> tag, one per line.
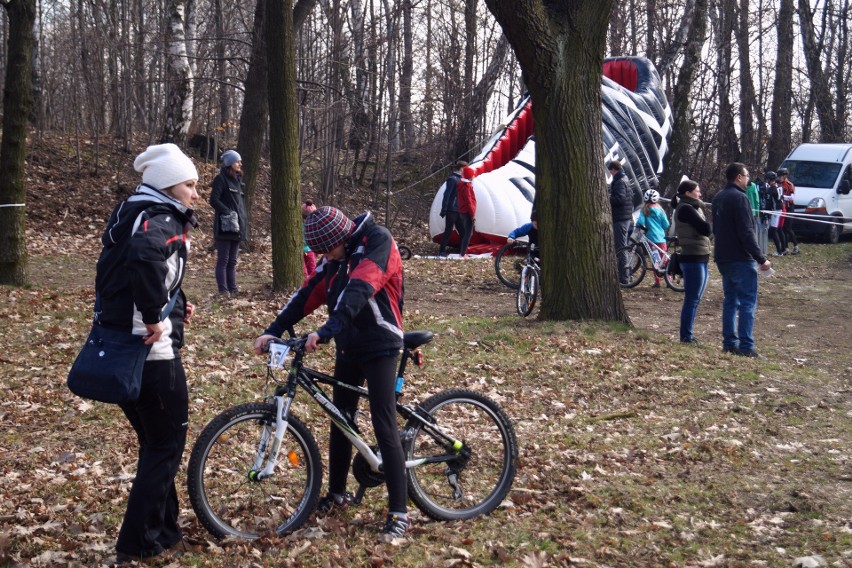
<point x="795" y="250"/>
<point x="778" y="254"/>
<point x="751" y="353"/>
<point x="332" y="502"/>
<point x="693" y="341"/>
<point x="224" y="294"/>
<point x="395" y="527"/>
<point x="731" y="350"/>
<point x="655" y="285"/>
<point x="122" y="558"/>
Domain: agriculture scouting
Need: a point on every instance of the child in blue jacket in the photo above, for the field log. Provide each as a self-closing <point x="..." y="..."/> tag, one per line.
<point x="655" y="222"/>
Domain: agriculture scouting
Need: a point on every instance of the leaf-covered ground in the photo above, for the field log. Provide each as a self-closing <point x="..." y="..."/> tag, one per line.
<point x="635" y="450"/>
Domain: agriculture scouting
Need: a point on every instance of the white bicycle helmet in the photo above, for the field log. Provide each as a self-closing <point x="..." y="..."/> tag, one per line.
<point x="651" y="196"/>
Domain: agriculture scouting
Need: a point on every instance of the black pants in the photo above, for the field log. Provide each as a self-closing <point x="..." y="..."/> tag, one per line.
<point x="160" y="418"/>
<point x="451" y="221"/>
<point x="777" y="237"/>
<point x="789" y="234"/>
<point x="467" y="223"/>
<point x="381" y="381"/>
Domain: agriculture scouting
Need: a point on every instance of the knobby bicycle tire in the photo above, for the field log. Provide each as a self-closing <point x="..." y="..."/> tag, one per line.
<point x="226" y="500"/>
<point x="527" y="292"/>
<point x="489" y="443"/>
<point x="509" y="273"/>
<point x="635" y="264"/>
<point x="673" y="281"/>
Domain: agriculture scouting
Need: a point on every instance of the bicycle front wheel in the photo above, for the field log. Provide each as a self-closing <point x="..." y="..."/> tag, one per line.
<point x="473" y="476"/>
<point x="635" y="264"/>
<point x="221" y="478"/>
<point x="507" y="264"/>
<point x="673" y="281"/>
<point x="527" y="292"/>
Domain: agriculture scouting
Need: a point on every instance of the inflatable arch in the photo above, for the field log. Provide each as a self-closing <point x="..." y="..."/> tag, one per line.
<point x="636" y="124"/>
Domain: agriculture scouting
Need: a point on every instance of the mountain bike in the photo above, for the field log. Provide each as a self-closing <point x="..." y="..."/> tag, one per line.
<point x="256" y="468"/>
<point x="643" y="254"/>
<point x="509" y="261"/>
<point x="529" y="284"/>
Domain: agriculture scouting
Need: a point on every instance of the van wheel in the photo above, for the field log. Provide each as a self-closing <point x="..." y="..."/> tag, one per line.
<point x="834" y="231"/>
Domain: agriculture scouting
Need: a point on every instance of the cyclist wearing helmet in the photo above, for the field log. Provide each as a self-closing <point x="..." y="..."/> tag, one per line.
<point x="654" y="221"/>
<point x="774" y="203"/>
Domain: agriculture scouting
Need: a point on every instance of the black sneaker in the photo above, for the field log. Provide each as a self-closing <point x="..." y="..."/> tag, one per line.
<point x="333" y="501"/>
<point x="395" y="527"/>
<point x="749" y="353"/>
<point x="731" y="350"/>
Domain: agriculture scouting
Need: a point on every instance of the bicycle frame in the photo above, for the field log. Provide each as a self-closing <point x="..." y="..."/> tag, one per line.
<point x="651" y="248"/>
<point x="310" y="380"/>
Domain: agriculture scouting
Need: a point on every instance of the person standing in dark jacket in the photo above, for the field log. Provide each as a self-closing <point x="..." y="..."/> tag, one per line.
<point x="735" y="253"/>
<point x="142" y="265"/>
<point x="228" y="200"/>
<point x="621" y="203"/>
<point x="693" y="234"/>
<point x="360" y="280"/>
<point x="450" y="208"/>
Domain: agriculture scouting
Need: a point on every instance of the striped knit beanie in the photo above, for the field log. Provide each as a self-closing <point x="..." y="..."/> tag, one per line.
<point x="326" y="228"/>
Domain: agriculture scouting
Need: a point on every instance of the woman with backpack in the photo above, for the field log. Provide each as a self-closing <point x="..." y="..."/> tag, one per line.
<point x="693" y="234"/>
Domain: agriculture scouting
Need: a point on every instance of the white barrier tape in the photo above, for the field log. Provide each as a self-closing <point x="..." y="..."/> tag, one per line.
<point x="808" y="217"/>
<point x="13" y="204"/>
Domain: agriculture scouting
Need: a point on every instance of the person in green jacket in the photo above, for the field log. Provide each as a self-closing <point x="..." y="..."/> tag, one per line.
<point x="753" y="194"/>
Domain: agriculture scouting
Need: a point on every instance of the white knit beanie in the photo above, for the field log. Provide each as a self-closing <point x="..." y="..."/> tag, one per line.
<point x="164" y="165"/>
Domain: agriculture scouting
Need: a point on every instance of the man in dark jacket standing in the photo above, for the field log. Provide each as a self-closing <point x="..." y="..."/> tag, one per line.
<point x="736" y="251"/>
<point x="450" y="208"/>
<point x="621" y="203"/>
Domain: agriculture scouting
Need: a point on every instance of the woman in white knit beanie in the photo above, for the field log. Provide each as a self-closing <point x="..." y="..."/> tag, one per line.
<point x="140" y="273"/>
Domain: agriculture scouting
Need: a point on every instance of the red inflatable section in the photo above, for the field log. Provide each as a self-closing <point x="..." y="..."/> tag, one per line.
<point x="622" y="72"/>
<point x="508" y="145"/>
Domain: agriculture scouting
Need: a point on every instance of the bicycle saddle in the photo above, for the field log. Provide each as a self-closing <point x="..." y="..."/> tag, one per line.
<point x="414" y="339"/>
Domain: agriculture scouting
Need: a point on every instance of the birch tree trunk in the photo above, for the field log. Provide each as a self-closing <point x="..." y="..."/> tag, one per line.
<point x="180" y="101"/>
<point x="560" y="47"/>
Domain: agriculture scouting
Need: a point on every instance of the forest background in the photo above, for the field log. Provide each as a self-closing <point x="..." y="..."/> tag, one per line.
<point x="390" y="93"/>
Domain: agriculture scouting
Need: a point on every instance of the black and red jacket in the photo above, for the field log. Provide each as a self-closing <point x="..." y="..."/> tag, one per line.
<point x="146" y="244"/>
<point x="364" y="295"/>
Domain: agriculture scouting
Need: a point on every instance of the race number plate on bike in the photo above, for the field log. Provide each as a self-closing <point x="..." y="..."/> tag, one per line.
<point x="277" y="355"/>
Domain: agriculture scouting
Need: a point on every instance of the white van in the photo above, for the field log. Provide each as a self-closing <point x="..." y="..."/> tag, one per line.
<point x="822" y="174"/>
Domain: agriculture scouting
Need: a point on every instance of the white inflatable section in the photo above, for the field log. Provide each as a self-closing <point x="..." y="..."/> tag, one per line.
<point x="504" y="197"/>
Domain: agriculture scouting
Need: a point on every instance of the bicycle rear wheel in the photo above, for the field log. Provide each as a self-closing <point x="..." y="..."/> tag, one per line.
<point x="673" y="281"/>
<point x="463" y="480"/>
<point x="527" y="292"/>
<point x="507" y="263"/>
<point x="226" y="500"/>
<point x="635" y="264"/>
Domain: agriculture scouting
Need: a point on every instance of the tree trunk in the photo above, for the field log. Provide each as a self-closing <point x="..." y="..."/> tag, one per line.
<point x="677" y="161"/>
<point x="179" y="76"/>
<point x="780" y="142"/>
<point x="474" y="109"/>
<point x="17" y="103"/>
<point x="727" y="145"/>
<point x="750" y="149"/>
<point x="560" y="49"/>
<point x="406" y="122"/>
<point x="283" y="146"/>
<point x="830" y="131"/>
<point x="255" y="112"/>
